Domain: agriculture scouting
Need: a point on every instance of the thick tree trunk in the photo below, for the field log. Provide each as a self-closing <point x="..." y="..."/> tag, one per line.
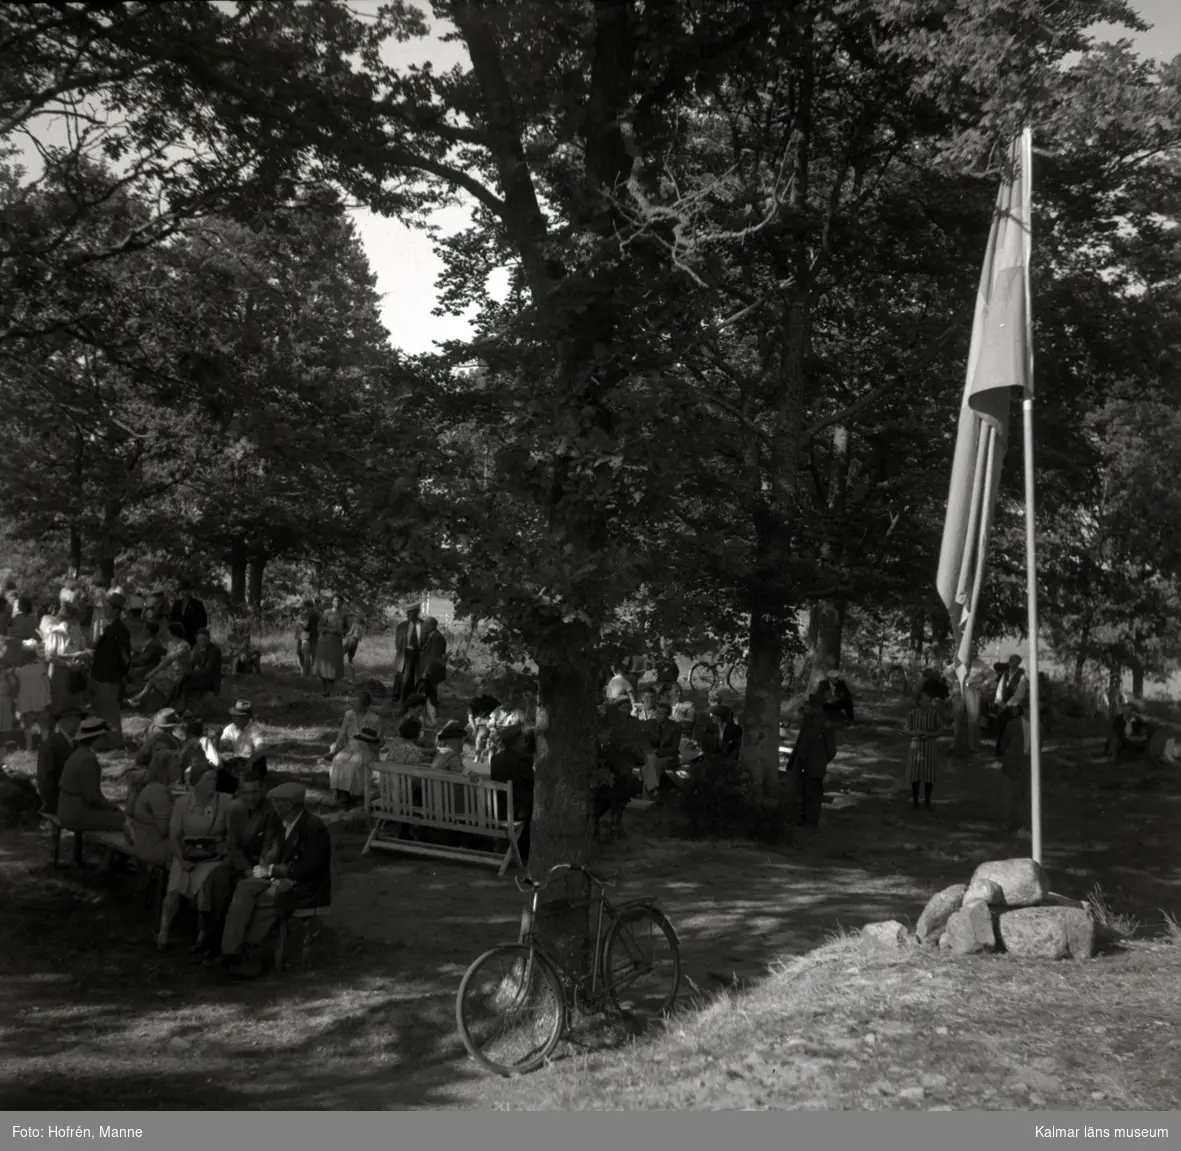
<point x="238" y="572"/>
<point x="764" y="694"/>
<point x="826" y="628"/>
<point x="1115" y="683"/>
<point x="1080" y="668"/>
<point x="75" y="550"/>
<point x="567" y="729"/>
<point x="1137" y="666"/>
<point x="257" y="566"/>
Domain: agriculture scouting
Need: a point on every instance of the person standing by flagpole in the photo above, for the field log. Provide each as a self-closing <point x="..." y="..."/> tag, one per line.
<point x="1000" y="358"/>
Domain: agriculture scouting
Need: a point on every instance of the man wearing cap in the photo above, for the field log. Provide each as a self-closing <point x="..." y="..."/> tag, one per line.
<point x="112" y="662"/>
<point x="81" y="805"/>
<point x="242" y="736"/>
<point x="408" y="637"/>
<point x="250" y="822"/>
<point x="352" y="766"/>
<point x="56" y="748"/>
<point x="189" y="612"/>
<point x="295" y="871"/>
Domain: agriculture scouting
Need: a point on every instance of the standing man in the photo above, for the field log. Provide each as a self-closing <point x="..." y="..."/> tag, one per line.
<point x="157" y="609"/>
<point x="434" y="666"/>
<point x="112" y="662"/>
<point x="407" y="654"/>
<point x="1011" y="690"/>
<point x="814" y="750"/>
<point x="189" y="612"/>
<point x="835" y="696"/>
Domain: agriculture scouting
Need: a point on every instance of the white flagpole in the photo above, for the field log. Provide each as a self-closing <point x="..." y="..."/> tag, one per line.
<point x="1035" y="723"/>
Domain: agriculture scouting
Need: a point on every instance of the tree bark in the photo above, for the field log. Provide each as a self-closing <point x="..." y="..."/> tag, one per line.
<point x="257" y="565"/>
<point x="1080" y="667"/>
<point x="238" y="571"/>
<point x="1115" y="683"/>
<point x="75" y="549"/>
<point x="826" y="627"/>
<point x="1137" y="666"/>
<point x="764" y="695"/>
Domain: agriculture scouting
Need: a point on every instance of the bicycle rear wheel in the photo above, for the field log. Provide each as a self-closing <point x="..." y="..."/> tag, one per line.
<point x="510" y="1009"/>
<point x="641" y="963"/>
<point x="736" y="678"/>
<point x="703" y="677"/>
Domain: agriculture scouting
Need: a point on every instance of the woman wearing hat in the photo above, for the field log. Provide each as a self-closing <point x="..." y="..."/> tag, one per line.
<point x="81" y="805"/>
<point x="334" y="626"/>
<point x="360" y="715"/>
<point x="197" y="832"/>
<point x="352" y="765"/>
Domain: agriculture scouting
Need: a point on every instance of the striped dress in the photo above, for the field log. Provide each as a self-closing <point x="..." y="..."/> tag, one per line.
<point x="924" y="726"/>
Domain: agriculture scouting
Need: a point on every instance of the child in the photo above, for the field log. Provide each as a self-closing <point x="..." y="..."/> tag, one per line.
<point x="924" y="725"/>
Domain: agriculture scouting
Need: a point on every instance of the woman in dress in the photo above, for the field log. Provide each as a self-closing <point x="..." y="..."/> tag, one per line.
<point x="197" y="831"/>
<point x="352" y="766"/>
<point x="334" y="625"/>
<point x="149" y="813"/>
<point x="163" y="683"/>
<point x="924" y="726"/>
<point x="404" y="747"/>
<point x="65" y="652"/>
<point x="23" y="626"/>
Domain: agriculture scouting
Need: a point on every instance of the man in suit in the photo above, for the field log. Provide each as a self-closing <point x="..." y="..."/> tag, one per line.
<point x="189" y="612"/>
<point x="109" y="668"/>
<point x="815" y="747"/>
<point x="434" y="665"/>
<point x="1011" y="689"/>
<point x="408" y="639"/>
<point x="294" y="872"/>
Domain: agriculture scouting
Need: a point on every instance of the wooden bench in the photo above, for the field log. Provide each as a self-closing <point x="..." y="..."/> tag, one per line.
<point x="443" y="801"/>
<point x="309" y="916"/>
<point x="116" y="841"/>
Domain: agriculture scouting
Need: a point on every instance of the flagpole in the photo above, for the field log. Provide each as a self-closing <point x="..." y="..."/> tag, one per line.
<point x="1035" y="722"/>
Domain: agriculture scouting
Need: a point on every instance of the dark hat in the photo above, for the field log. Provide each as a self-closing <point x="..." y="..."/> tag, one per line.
<point x="510" y="732"/>
<point x="720" y="709"/>
<point x="91" y="728"/>
<point x="450" y="730"/>
<point x="242" y="707"/>
<point x="117" y="599"/>
<point x="292" y="792"/>
<point x="368" y="735"/>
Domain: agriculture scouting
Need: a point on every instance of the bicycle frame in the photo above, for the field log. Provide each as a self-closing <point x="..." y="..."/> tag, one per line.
<point x="607" y="913"/>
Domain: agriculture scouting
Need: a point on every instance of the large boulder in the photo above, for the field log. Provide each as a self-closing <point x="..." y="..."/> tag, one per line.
<point x="1022" y="881"/>
<point x="986" y="889"/>
<point x="890" y="934"/>
<point x="970" y="930"/>
<point x="939" y="910"/>
<point x="1047" y="932"/>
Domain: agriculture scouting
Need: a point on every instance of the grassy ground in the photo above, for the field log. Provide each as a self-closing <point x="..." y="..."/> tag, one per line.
<point x="94" y="1017"/>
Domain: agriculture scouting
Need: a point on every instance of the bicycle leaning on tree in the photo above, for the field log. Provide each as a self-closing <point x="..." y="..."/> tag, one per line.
<point x="514" y="1001"/>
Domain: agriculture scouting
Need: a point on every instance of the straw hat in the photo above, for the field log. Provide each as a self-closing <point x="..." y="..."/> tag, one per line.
<point x="243" y="707"/>
<point x="368" y="735"/>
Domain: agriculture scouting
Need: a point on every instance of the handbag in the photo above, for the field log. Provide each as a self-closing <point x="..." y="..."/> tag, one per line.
<point x="202" y="848"/>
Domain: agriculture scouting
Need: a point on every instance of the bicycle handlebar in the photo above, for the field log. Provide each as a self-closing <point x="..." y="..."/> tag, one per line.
<point x="526" y="884"/>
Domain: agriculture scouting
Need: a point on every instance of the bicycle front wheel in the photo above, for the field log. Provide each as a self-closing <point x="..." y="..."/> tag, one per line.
<point x="703" y="677"/>
<point x="510" y="1009"/>
<point x="642" y="963"/>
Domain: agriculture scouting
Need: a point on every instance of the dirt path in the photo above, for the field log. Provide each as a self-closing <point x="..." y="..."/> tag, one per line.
<point x="94" y="1017"/>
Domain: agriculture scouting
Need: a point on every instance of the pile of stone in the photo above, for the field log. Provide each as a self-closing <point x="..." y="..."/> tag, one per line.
<point x="1007" y="907"/>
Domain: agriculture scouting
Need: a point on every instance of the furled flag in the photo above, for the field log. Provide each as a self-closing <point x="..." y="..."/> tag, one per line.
<point x="998" y="360"/>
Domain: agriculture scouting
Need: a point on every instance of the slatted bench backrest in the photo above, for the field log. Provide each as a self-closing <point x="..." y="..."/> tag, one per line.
<point x="441" y="798"/>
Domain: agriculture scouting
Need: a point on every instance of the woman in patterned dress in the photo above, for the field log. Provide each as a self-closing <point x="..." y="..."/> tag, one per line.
<point x="334" y="625"/>
<point x="924" y="725"/>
